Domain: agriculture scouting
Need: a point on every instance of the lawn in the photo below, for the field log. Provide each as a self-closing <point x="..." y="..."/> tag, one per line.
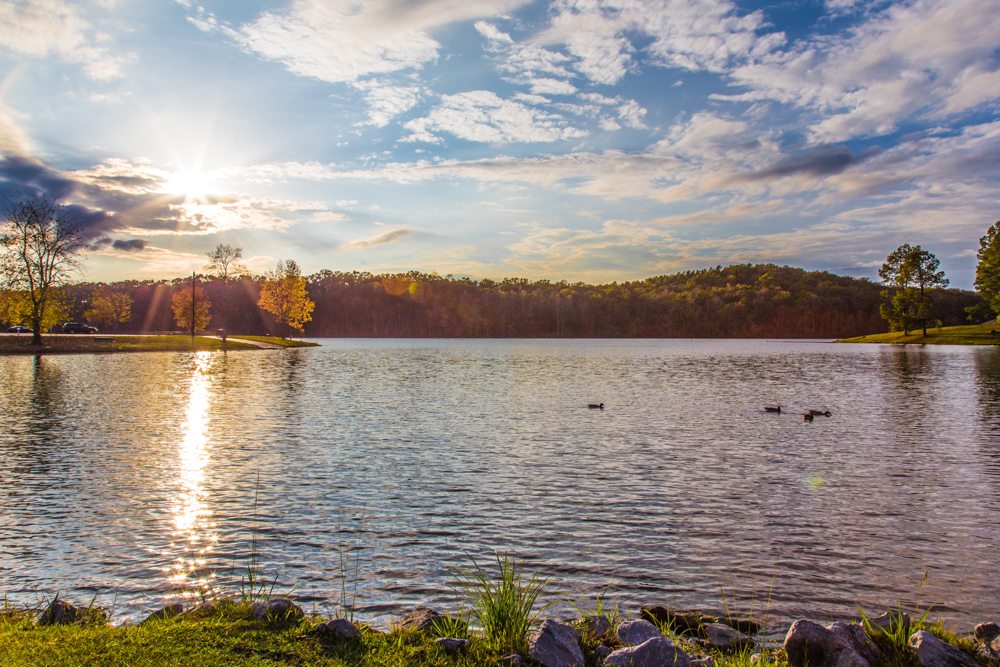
<point x="973" y="334"/>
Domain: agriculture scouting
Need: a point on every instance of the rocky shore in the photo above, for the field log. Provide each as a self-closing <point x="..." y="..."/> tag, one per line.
<point x="655" y="637"/>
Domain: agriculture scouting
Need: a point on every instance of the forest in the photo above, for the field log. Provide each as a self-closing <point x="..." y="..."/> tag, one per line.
<point x="741" y="301"/>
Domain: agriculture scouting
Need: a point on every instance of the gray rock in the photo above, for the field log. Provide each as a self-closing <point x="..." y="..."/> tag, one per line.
<point x="598" y="626"/>
<point x="888" y="620"/>
<point x="855" y="636"/>
<point x="452" y="645"/>
<point x="654" y="652"/>
<point x="986" y="632"/>
<point x="633" y="633"/>
<point x="276" y="611"/>
<point x="168" y="611"/>
<point x="704" y="662"/>
<point x="809" y="643"/>
<point x="555" y="645"/>
<point x="602" y="652"/>
<point x="932" y="652"/>
<point x="510" y="660"/>
<point x="338" y="630"/>
<point x="60" y="612"/>
<point x="206" y="609"/>
<point x="683" y="622"/>
<point x="419" y="618"/>
<point x="724" y="638"/>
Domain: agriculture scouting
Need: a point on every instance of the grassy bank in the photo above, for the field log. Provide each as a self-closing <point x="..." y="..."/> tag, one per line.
<point x="973" y="334"/>
<point x="68" y="344"/>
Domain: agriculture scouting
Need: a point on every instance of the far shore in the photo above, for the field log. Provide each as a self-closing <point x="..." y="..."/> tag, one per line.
<point x="973" y="334"/>
<point x="85" y="344"/>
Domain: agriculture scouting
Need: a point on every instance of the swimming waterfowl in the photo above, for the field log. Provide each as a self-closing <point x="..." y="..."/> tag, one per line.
<point x="821" y="413"/>
<point x="807" y="417"/>
<point x="595" y="406"/>
<point x="769" y="408"/>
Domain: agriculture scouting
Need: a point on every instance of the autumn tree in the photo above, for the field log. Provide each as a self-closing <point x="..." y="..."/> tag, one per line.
<point x="224" y="262"/>
<point x="180" y="302"/>
<point x="15" y="308"/>
<point x="988" y="269"/>
<point x="283" y="295"/>
<point x="912" y="271"/>
<point x="110" y="307"/>
<point x="39" y="251"/>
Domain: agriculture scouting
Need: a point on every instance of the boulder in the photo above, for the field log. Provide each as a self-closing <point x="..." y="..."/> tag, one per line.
<point x="419" y="618"/>
<point x="855" y="636"/>
<point x="452" y="645"/>
<point x="932" y="652"/>
<point x="555" y="645"/>
<point x="602" y="652"/>
<point x="280" y="610"/>
<point x="809" y="643"/>
<point x="210" y="608"/>
<point x="655" y="652"/>
<point x="598" y="626"/>
<point x="633" y="633"/>
<point x="744" y="625"/>
<point x="888" y="620"/>
<point x="338" y="630"/>
<point x="168" y="611"/>
<point x="60" y="612"/>
<point x="986" y="632"/>
<point x="724" y="638"/>
<point x="683" y="622"/>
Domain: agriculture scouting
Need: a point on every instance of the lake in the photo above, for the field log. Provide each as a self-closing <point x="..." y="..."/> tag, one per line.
<point x="365" y="472"/>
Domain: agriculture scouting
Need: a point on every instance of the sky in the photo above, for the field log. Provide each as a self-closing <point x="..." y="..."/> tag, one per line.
<point x="579" y="140"/>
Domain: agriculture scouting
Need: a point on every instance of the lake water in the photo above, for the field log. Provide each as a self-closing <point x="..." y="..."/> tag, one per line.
<point x="367" y="471"/>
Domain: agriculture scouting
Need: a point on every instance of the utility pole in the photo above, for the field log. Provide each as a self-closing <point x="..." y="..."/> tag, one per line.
<point x="192" y="306"/>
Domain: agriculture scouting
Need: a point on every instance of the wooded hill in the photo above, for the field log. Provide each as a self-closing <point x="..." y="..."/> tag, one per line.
<point x="749" y="301"/>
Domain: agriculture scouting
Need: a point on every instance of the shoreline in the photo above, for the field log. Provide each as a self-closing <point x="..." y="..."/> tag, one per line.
<point x="20" y="344"/>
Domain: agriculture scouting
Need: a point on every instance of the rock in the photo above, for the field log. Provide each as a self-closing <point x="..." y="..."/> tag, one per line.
<point x="598" y="626"/>
<point x="206" y="609"/>
<point x="932" y="652"/>
<point x="986" y="632"/>
<point x="683" y="622"/>
<point x="168" y="611"/>
<point x="888" y="620"/>
<point x="855" y="636"/>
<point x="809" y="643"/>
<point x="338" y="630"/>
<point x="702" y="662"/>
<point x="746" y="626"/>
<point x="276" y="611"/>
<point x="60" y="612"/>
<point x="633" y="633"/>
<point x="655" y="652"/>
<point x="602" y="652"/>
<point x="555" y="645"/>
<point x="419" y="618"/>
<point x="452" y="645"/>
<point x="724" y="638"/>
<point x="510" y="660"/>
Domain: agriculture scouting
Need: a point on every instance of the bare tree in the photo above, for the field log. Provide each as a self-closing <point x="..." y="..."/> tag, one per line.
<point x="224" y="261"/>
<point x="39" y="250"/>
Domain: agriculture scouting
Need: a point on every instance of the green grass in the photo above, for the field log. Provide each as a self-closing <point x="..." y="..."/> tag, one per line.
<point x="228" y="638"/>
<point x="973" y="334"/>
<point x="81" y="344"/>
<point x="503" y="608"/>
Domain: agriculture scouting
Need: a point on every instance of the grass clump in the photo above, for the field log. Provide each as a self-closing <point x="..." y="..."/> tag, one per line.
<point x="504" y="608"/>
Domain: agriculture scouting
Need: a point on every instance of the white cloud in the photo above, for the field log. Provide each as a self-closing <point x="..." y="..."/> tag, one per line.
<point x="482" y="116"/>
<point x="344" y="40"/>
<point x="386" y="101"/>
<point x="53" y="27"/>
<point x="381" y="239"/>
<point x="930" y="57"/>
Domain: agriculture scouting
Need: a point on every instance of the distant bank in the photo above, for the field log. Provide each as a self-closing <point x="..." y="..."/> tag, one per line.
<point x="72" y="343"/>
<point x="974" y="334"/>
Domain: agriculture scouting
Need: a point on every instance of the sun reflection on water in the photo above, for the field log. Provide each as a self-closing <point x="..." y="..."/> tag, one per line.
<point x="193" y="527"/>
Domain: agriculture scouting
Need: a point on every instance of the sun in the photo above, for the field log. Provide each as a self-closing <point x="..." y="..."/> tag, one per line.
<point x="193" y="185"/>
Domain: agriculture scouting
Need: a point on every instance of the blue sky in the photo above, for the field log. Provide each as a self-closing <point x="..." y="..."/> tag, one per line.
<point x="576" y="139"/>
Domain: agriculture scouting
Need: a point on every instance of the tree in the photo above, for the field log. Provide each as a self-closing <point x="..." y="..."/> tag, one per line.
<point x="224" y="262"/>
<point x="180" y="302"/>
<point x="15" y="308"/>
<point x="912" y="271"/>
<point x="283" y="295"/>
<point x="39" y="250"/>
<point x="110" y="307"/>
<point x="988" y="270"/>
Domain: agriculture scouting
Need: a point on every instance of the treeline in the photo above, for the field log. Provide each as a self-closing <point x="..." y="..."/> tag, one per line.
<point x="751" y="301"/>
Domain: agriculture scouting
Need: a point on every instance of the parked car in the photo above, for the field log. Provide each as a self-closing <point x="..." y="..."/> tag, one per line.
<point x="17" y="328"/>
<point x="78" y="327"/>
